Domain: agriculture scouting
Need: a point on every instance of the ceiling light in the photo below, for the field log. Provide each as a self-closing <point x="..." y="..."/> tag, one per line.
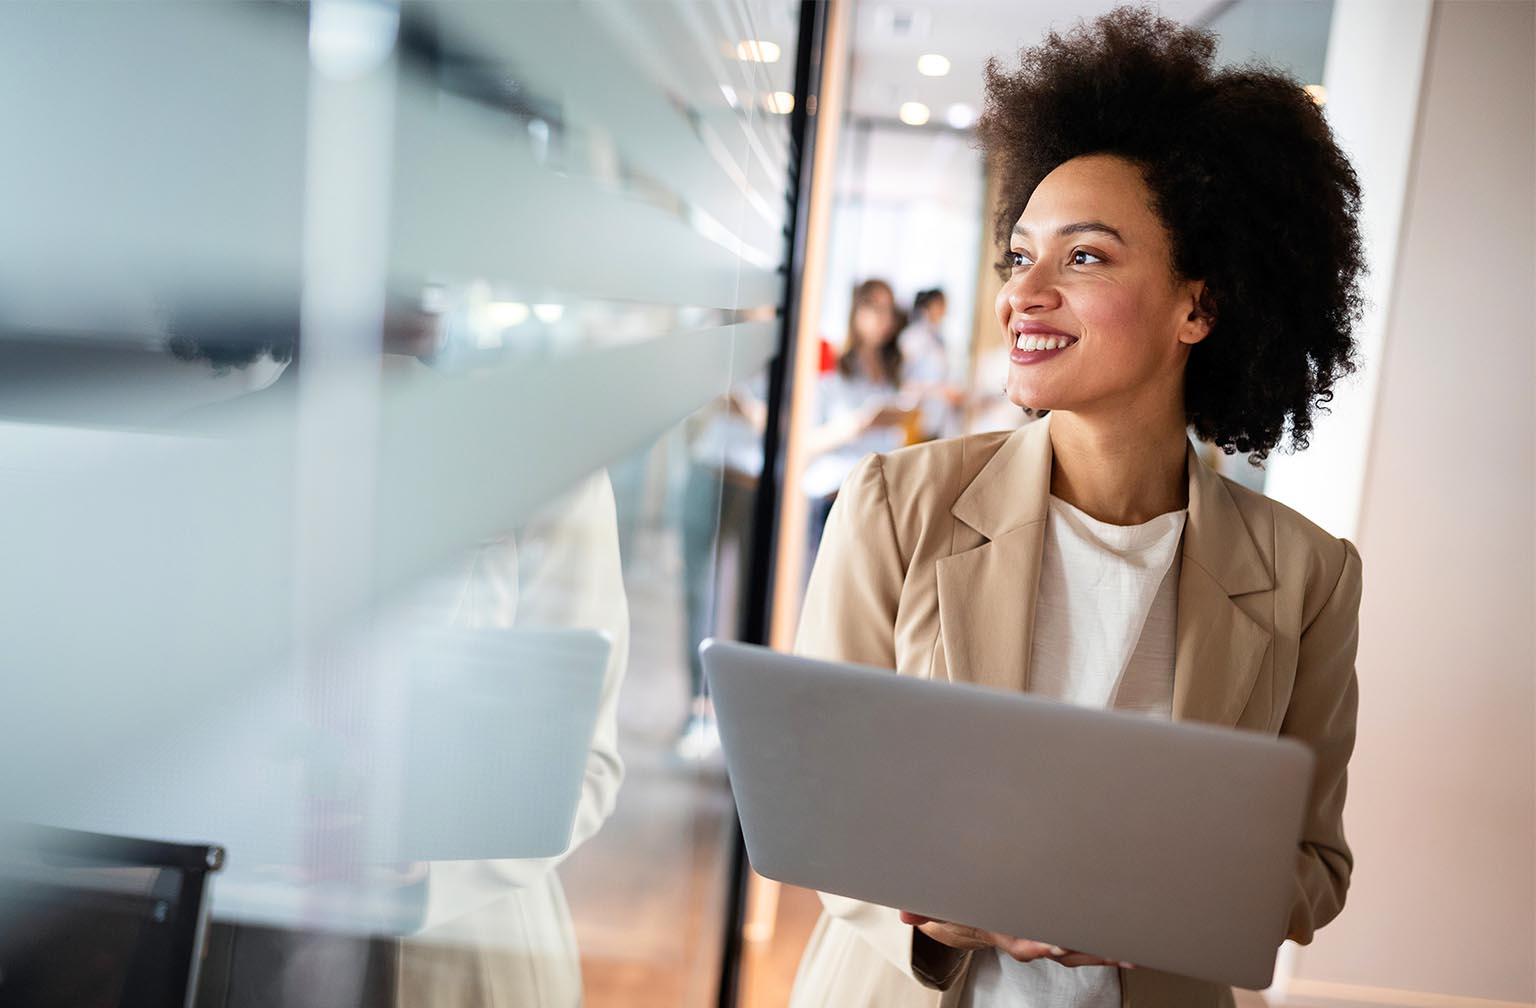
<point x="1318" y="92"/>
<point x="932" y="65"/>
<point x="505" y="314"/>
<point x="780" y="102"/>
<point x="549" y="314"/>
<point x="757" y="51"/>
<point x="960" y="116"/>
<point x="913" y="113"/>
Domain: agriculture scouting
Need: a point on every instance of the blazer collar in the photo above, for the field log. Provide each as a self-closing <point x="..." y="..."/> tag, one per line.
<point x="1013" y="491"/>
<point x="1013" y="488"/>
<point x="987" y="595"/>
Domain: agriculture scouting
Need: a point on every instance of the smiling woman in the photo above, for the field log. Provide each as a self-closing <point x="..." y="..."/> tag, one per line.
<point x="1180" y="250"/>
<point x="1228" y="179"/>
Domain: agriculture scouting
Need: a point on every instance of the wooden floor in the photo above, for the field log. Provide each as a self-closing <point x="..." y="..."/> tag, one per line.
<point x="648" y="892"/>
<point x="768" y="968"/>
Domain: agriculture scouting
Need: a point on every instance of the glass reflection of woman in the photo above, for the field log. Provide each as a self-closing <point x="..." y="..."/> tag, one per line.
<point x="497" y="931"/>
<point x="857" y="404"/>
<point x="1180" y="249"/>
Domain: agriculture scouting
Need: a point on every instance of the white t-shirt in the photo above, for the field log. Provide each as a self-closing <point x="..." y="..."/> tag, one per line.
<point x="1104" y="637"/>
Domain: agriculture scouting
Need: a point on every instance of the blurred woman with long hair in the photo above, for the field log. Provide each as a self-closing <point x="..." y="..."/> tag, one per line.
<point x="857" y="403"/>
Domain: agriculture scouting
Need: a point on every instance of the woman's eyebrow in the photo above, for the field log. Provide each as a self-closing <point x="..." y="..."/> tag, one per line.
<point x="1078" y="227"/>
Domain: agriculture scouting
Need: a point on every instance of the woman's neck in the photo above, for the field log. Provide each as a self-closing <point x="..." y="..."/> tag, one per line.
<point x="872" y="363"/>
<point x="1123" y="470"/>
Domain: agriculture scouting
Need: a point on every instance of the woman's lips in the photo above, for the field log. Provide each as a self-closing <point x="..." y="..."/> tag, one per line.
<point x="1037" y="344"/>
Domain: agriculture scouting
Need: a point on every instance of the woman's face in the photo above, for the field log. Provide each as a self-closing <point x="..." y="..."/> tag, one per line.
<point x="1092" y="272"/>
<point x="872" y="320"/>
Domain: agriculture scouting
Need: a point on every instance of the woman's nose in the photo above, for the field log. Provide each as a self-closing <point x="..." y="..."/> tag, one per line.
<point x="1032" y="290"/>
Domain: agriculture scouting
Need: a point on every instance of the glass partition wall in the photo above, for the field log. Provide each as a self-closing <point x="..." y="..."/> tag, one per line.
<point x="385" y="396"/>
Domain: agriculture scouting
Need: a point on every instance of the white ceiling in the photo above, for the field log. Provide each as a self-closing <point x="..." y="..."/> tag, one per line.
<point x="889" y="36"/>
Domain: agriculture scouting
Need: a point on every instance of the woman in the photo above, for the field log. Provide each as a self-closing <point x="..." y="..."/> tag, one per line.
<point x="1180" y="251"/>
<point x="925" y="376"/>
<point x="857" y="404"/>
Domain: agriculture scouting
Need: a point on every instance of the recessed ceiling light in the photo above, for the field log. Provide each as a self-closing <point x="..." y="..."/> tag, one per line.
<point x="932" y="65"/>
<point x="757" y="51"/>
<point x="780" y="102"/>
<point x="549" y="314"/>
<point x="506" y="314"/>
<point x="913" y="113"/>
<point x="960" y="116"/>
<point x="1318" y="92"/>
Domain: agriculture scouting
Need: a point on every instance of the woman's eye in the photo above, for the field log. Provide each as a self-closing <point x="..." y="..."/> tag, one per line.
<point x="1018" y="260"/>
<point x="1079" y="255"/>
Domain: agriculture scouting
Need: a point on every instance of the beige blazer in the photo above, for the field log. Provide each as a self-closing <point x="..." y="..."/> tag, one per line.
<point x="930" y="565"/>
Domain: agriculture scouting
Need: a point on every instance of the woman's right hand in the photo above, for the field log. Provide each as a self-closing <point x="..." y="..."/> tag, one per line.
<point x="887" y="416"/>
<point x="968" y="939"/>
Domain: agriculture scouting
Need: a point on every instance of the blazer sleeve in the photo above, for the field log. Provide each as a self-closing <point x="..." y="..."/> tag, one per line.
<point x="1322" y="714"/>
<point x="569" y="576"/>
<point x="850" y="615"/>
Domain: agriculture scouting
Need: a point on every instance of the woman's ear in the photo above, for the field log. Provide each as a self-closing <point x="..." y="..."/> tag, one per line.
<point x="1200" y="313"/>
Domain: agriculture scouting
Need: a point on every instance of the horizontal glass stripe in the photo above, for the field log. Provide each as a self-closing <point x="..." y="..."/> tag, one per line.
<point x="571" y="59"/>
<point x="177" y="552"/>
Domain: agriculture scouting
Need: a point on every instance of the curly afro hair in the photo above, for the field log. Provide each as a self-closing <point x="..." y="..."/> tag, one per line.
<point x="1257" y="199"/>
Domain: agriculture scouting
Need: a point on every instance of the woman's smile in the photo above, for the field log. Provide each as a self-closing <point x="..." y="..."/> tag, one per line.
<point x="1034" y="342"/>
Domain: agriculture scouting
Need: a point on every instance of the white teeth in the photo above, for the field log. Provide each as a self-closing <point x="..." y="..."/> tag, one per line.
<point x="1029" y="342"/>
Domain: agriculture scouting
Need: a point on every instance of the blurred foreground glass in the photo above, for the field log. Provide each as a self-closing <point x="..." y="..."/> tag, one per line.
<point x="323" y="328"/>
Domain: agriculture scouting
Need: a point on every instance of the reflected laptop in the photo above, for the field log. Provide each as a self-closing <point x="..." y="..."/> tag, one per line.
<point x="479" y="750"/>
<point x="1168" y="845"/>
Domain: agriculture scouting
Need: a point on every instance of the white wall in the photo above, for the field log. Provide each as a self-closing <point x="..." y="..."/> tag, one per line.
<point x="1442" y="804"/>
<point x="1373" y="75"/>
<point x="907" y="210"/>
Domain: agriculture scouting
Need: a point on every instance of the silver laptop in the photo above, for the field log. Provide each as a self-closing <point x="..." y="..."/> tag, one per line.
<point x="1168" y="845"/>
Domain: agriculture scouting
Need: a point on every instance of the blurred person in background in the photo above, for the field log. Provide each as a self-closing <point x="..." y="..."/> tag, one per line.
<point x="725" y="458"/>
<point x="1180" y="249"/>
<point x="496" y="932"/>
<point x="925" y="376"/>
<point x="859" y="405"/>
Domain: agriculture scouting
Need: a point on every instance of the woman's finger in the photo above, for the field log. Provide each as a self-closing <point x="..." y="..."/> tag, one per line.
<point x="955" y="935"/>
<point x="1072" y="958"/>
<point x="1025" y="950"/>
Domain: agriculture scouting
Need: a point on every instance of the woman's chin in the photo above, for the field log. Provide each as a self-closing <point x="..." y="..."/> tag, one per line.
<point x="1029" y="398"/>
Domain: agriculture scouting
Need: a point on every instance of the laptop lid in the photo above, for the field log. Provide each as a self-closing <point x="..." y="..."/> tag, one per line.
<point x="1168" y="845"/>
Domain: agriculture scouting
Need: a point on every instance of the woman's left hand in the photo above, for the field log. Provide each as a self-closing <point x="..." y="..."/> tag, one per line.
<point x="1023" y="949"/>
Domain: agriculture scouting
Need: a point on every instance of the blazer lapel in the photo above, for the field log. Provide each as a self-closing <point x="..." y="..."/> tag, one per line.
<point x="1219" y="648"/>
<point x="987" y="594"/>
